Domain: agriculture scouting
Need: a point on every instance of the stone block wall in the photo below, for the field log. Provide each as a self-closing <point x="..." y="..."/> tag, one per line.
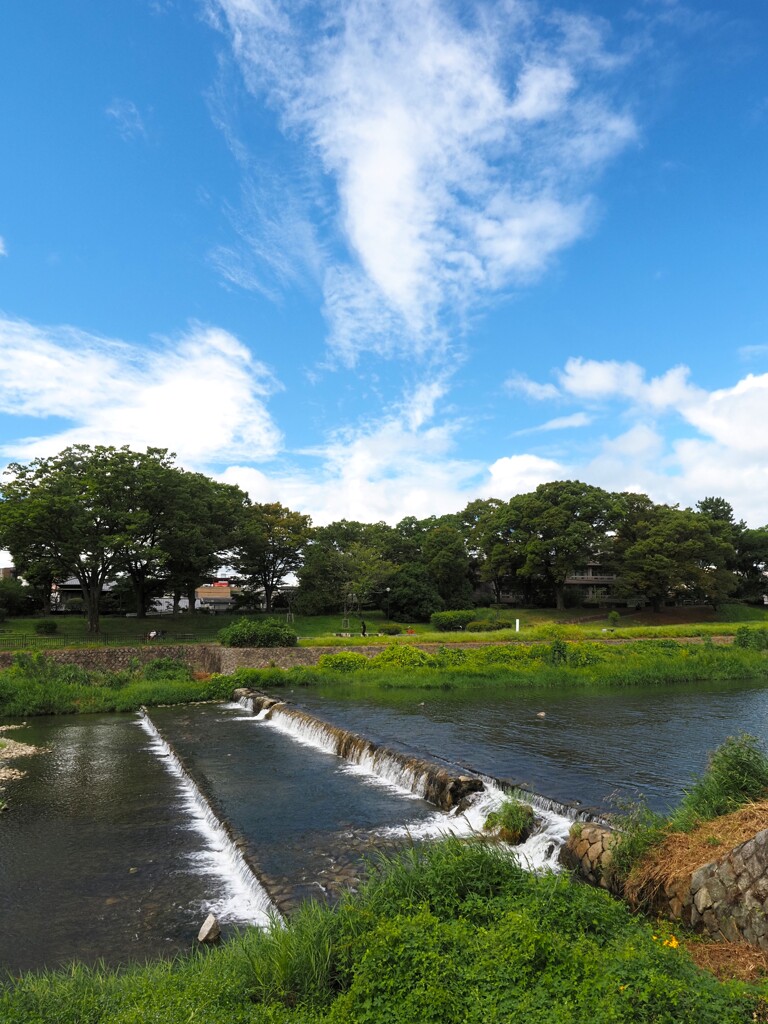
<point x="726" y="899"/>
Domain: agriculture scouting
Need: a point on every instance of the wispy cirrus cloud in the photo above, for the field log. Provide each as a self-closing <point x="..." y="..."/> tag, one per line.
<point x="457" y="150"/>
<point x="3" y="247"/>
<point x="126" y="119"/>
<point x="201" y="394"/>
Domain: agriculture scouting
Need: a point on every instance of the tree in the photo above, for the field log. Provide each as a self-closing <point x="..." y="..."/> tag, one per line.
<point x="413" y="596"/>
<point x="672" y="553"/>
<point x="447" y="564"/>
<point x="200" y="533"/>
<point x="563" y="526"/>
<point x="346" y="566"/>
<point x="74" y="512"/>
<point x="269" y="545"/>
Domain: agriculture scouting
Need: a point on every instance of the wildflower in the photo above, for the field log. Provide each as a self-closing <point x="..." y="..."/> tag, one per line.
<point x="671" y="942"/>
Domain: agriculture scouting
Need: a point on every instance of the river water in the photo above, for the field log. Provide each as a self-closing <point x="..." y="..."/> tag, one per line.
<point x="107" y="850"/>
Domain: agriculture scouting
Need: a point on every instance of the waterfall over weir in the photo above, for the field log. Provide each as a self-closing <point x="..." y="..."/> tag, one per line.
<point x="247" y="900"/>
<point x="467" y="799"/>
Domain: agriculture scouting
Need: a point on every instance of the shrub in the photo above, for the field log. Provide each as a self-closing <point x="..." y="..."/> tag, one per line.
<point x="485" y="626"/>
<point x="402" y="656"/>
<point x="513" y="821"/>
<point x="737" y="774"/>
<point x="258" y="633"/>
<point x="751" y="639"/>
<point x="613" y="618"/>
<point x="167" y="668"/>
<point x="46" y="627"/>
<point x="345" y="661"/>
<point x="451" y="622"/>
<point x="392" y="629"/>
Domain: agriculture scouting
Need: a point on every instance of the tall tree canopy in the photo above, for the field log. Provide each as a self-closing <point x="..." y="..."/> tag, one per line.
<point x="269" y="545"/>
<point x="76" y="514"/>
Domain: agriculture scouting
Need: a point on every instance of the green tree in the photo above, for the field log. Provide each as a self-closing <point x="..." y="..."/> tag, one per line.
<point x="563" y="526"/>
<point x="413" y="596"/>
<point x="669" y="553"/>
<point x="269" y="546"/>
<point x="444" y="556"/>
<point x="198" y="537"/>
<point x="74" y="512"/>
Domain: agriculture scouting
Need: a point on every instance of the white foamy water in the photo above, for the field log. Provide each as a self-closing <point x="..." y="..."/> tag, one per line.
<point x="373" y="765"/>
<point x="538" y="853"/>
<point x="245" y="901"/>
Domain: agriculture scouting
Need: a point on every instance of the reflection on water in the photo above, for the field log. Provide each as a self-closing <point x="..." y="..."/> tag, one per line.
<point x="591" y="745"/>
<point x="100" y="857"/>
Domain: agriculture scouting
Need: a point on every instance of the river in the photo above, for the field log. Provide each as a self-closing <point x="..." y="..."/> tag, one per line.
<point x="108" y="851"/>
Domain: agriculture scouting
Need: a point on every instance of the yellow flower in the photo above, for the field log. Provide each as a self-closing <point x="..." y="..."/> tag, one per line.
<point x="671" y="942"/>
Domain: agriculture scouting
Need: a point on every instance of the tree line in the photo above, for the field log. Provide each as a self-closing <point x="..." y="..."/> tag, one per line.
<point x="104" y="514"/>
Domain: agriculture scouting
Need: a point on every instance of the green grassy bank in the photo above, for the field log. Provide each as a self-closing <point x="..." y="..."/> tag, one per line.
<point x="557" y="664"/>
<point x="36" y="685"/>
<point x="536" y="624"/>
<point x="452" y="934"/>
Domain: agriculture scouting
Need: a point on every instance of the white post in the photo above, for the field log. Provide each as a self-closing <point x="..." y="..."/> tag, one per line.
<point x="517" y="625"/>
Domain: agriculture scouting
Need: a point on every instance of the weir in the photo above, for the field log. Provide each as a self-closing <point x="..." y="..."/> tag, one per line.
<point x="249" y="901"/>
<point x="468" y="798"/>
<point x="413" y="774"/>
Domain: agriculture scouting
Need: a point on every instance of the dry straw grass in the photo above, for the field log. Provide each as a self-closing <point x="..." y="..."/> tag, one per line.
<point x="674" y="860"/>
<point x="730" y="960"/>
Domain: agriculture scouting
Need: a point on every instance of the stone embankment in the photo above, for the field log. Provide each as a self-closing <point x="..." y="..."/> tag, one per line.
<point x="210" y="657"/>
<point x="726" y="899"/>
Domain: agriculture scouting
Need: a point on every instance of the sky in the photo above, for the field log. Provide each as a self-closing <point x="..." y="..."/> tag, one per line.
<point x="378" y="258"/>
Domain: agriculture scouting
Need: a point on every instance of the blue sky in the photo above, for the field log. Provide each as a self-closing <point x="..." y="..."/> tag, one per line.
<point x="377" y="258"/>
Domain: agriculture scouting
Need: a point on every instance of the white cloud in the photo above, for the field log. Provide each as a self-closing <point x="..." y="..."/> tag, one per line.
<point x="382" y="471"/>
<point x="518" y="383"/>
<point x="679" y="442"/>
<point x="3" y="247"/>
<point x="202" y="394"/>
<point x="576" y="419"/>
<point x="127" y="119"/>
<point x="518" y="474"/>
<point x="460" y="150"/>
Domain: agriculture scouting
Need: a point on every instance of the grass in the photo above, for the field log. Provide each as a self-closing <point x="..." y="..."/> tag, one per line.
<point x="451" y="933"/>
<point x="661" y="662"/>
<point x="36" y="685"/>
<point x="736" y="777"/>
<point x="322" y="630"/>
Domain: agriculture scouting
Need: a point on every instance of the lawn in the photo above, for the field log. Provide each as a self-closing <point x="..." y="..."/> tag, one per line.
<point x="324" y="630"/>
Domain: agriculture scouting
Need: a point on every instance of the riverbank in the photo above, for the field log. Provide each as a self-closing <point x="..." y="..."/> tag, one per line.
<point x="450" y="933"/>
<point x="54" y="683"/>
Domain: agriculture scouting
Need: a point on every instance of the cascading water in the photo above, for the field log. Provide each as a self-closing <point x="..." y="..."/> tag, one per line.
<point x="468" y="800"/>
<point x="247" y="900"/>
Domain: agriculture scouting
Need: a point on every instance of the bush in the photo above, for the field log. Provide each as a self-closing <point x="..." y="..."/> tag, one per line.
<point x="402" y="656"/>
<point x="751" y="639"/>
<point x="258" y="633"/>
<point x="167" y="668"/>
<point x="46" y="627"/>
<point x="346" y="661"/>
<point x="488" y="625"/>
<point x="513" y="821"/>
<point x="737" y="774"/>
<point x="391" y="629"/>
<point x="451" y="622"/>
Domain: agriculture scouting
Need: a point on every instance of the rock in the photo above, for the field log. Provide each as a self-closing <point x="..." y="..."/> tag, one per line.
<point x="210" y="932"/>
<point x="541" y="714"/>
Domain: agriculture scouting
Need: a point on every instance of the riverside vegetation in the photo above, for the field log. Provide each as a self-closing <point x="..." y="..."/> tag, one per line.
<point x="736" y="777"/>
<point x="37" y="685"/>
<point x="453" y="932"/>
